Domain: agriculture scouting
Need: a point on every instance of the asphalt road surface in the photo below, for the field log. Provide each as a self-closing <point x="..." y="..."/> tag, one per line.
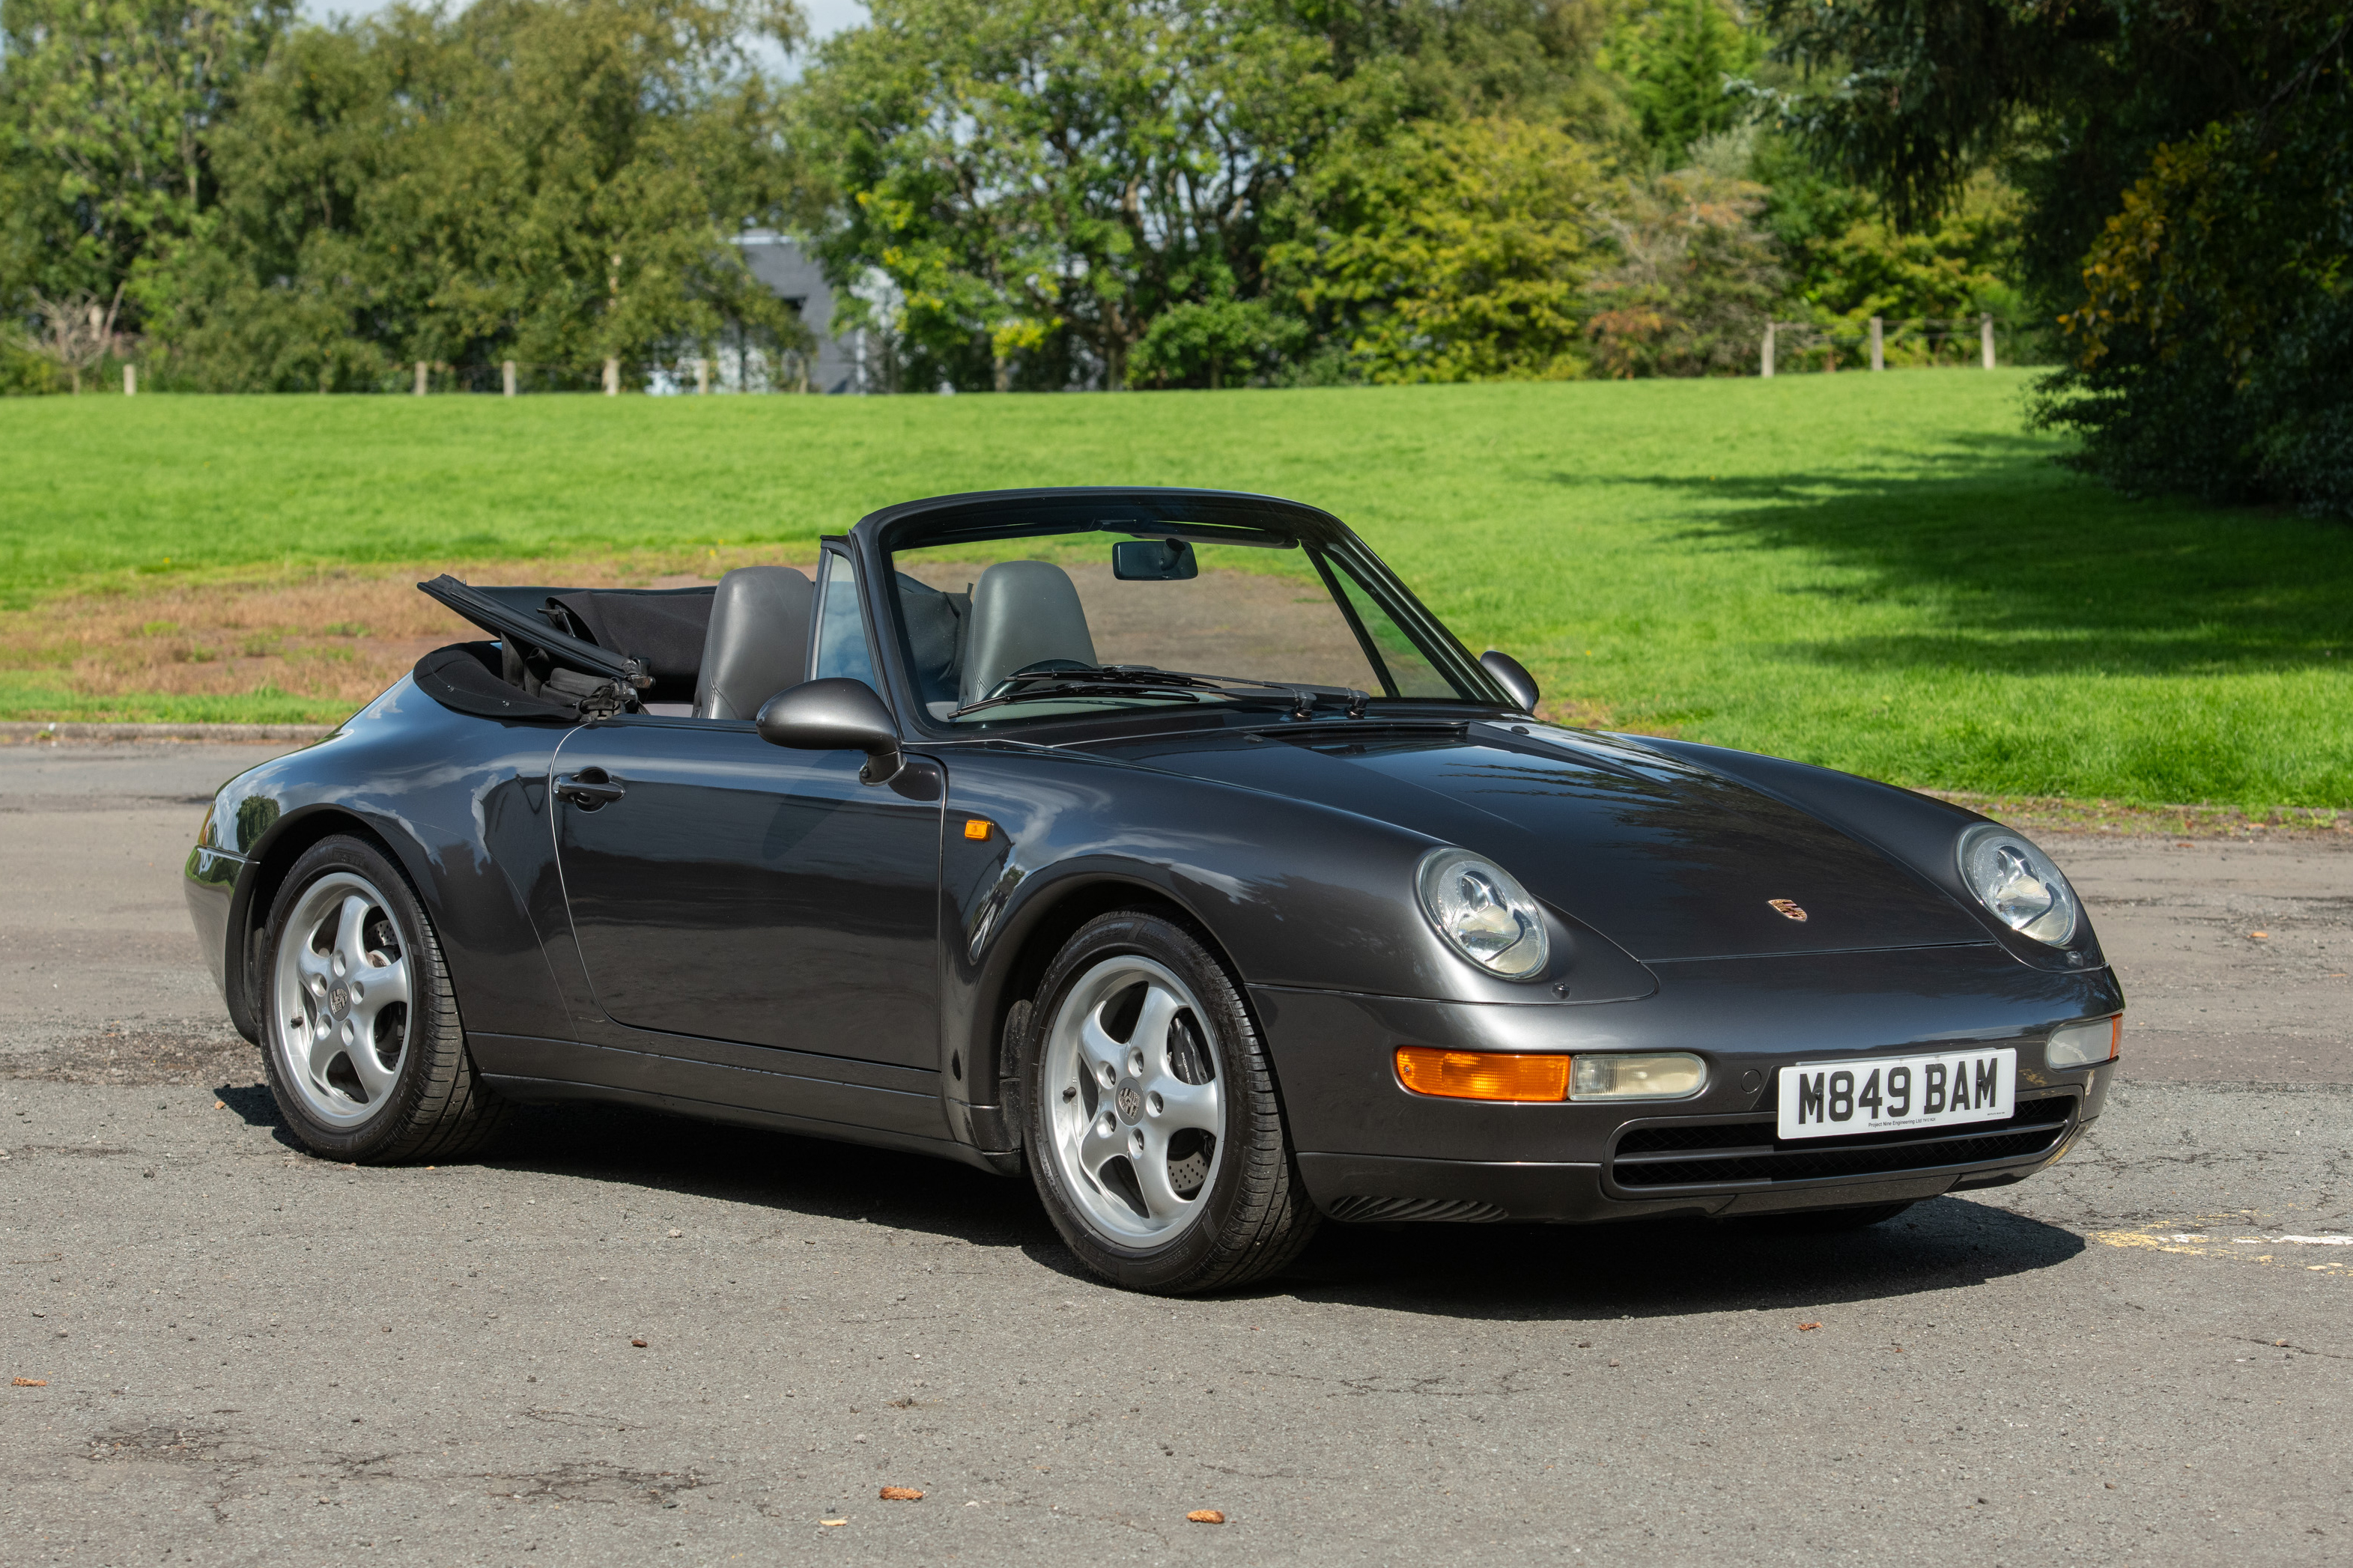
<point x="222" y="1351"/>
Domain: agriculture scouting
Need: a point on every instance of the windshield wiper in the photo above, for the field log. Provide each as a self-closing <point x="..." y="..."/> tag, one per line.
<point x="1114" y="680"/>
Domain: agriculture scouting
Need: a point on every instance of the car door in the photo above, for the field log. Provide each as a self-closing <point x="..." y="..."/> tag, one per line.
<point x="726" y="889"/>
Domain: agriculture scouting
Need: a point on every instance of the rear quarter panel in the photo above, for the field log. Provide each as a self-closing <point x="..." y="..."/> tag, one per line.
<point x="462" y="803"/>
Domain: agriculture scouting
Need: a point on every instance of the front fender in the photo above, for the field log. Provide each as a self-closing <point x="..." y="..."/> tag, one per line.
<point x="1295" y="894"/>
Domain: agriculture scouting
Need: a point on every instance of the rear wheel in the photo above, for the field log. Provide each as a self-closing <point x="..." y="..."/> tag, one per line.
<point x="1155" y="1134"/>
<point x="367" y="1058"/>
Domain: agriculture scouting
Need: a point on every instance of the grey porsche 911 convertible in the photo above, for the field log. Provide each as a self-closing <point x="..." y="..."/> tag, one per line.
<point x="1158" y="844"/>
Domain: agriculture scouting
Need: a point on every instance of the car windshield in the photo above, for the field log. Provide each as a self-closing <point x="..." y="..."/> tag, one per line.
<point x="1014" y="629"/>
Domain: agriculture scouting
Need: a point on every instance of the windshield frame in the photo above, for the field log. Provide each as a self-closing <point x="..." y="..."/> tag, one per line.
<point x="1213" y="517"/>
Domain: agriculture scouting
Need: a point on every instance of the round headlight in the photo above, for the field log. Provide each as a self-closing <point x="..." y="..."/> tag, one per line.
<point x="2018" y="883"/>
<point x="1483" y="912"/>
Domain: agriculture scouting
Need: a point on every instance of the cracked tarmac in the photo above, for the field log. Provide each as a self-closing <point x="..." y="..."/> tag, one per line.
<point x="222" y="1351"/>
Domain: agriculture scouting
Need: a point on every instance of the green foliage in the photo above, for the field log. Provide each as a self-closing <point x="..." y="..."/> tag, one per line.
<point x="1679" y="59"/>
<point x="1211" y="342"/>
<point x="1040" y="180"/>
<point x="107" y="108"/>
<point x="23" y="372"/>
<point x="1879" y="573"/>
<point x="1449" y="252"/>
<point x="1695" y="283"/>
<point x="2187" y="189"/>
<point x="549" y="181"/>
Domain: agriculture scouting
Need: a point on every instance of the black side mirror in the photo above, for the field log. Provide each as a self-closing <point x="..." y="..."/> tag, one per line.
<point x="1513" y="677"/>
<point x="835" y="715"/>
<point x="1153" y="560"/>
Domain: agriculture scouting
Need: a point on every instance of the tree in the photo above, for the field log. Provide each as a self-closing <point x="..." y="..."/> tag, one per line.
<point x="1040" y="180"/>
<point x="557" y="181"/>
<point x="1681" y="61"/>
<point x="108" y="109"/>
<point x="2187" y="189"/>
<point x="1694" y="281"/>
<point x="1451" y="252"/>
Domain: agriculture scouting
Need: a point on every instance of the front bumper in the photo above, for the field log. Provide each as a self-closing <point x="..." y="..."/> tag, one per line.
<point x="1370" y="1150"/>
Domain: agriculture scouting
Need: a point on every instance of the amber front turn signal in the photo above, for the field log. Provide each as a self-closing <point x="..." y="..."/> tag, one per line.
<point x="1482" y="1075"/>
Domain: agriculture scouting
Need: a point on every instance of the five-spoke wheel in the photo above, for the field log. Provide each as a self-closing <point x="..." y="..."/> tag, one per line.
<point x="367" y="1059"/>
<point x="343" y="988"/>
<point x="1136" y="1111"/>
<point x="1155" y="1134"/>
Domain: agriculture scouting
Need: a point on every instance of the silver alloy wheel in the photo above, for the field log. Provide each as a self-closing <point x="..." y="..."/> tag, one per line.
<point x="1136" y="1118"/>
<point x="340" y="1023"/>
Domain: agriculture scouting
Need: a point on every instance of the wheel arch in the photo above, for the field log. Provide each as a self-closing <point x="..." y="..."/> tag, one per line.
<point x="290" y="839"/>
<point x="1034" y="934"/>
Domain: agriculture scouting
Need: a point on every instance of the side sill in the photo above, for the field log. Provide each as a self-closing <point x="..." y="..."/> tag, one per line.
<point x="550" y="1091"/>
<point x="823" y="1107"/>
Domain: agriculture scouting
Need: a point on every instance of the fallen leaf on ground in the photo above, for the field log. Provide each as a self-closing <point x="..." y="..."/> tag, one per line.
<point x="1205" y="1516"/>
<point x="32" y="1382"/>
<point x="901" y="1494"/>
<point x="2259" y="934"/>
<point x="221" y="1105"/>
<point x="639" y="1343"/>
<point x="1805" y="1328"/>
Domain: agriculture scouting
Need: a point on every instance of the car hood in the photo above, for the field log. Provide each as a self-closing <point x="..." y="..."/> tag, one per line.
<point x="1670" y="861"/>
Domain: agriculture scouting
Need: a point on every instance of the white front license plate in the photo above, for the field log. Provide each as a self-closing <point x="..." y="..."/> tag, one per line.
<point x="1895" y="1094"/>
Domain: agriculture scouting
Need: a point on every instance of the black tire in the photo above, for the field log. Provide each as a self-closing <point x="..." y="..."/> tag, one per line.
<point x="1255" y="1216"/>
<point x="437" y="1107"/>
<point x="1828" y="1221"/>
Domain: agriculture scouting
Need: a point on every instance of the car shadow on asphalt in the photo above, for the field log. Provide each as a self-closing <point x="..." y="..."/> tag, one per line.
<point x="1504" y="1272"/>
<point x="1669" y="1267"/>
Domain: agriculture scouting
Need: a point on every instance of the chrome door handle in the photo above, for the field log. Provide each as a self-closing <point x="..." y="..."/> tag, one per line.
<point x="586" y="792"/>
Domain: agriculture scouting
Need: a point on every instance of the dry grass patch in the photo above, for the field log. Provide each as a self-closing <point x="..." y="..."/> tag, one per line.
<point x="2055" y="814"/>
<point x="341" y="635"/>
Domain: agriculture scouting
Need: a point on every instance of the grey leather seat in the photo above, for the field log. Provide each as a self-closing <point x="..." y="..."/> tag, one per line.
<point x="1023" y="612"/>
<point x="757" y="643"/>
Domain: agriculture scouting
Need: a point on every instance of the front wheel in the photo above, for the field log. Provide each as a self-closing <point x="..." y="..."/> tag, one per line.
<point x="1154" y="1132"/>
<point x="367" y="1059"/>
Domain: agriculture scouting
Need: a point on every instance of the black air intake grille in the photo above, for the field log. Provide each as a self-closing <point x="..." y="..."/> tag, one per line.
<point x="1372" y="1210"/>
<point x="1746" y="1154"/>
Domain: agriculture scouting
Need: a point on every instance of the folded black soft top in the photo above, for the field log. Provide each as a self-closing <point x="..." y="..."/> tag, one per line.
<point x="467" y="678"/>
<point x="616" y="645"/>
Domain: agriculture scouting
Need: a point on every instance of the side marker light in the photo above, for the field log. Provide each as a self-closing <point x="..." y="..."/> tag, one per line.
<point x="975" y="827"/>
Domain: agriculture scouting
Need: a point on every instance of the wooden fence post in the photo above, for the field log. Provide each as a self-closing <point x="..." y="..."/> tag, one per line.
<point x="612" y="378"/>
<point x="420" y="378"/>
<point x="130" y="381"/>
<point x="701" y="377"/>
<point x="1985" y="336"/>
<point x="507" y="377"/>
<point x="1764" y="366"/>
<point x="1878" y="343"/>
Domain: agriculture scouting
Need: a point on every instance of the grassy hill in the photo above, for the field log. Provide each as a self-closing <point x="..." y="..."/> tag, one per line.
<point x="1884" y="573"/>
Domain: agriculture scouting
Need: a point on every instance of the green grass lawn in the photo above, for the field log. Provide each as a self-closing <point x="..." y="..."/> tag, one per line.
<point x="1884" y="573"/>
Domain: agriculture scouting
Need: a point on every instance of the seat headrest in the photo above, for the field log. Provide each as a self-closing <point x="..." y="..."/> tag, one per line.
<point x="1022" y="611"/>
<point x="757" y="643"/>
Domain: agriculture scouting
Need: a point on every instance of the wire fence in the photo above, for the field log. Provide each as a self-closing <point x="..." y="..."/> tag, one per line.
<point x="1787" y="348"/>
<point x="729" y="372"/>
<point x="1986" y="340"/>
